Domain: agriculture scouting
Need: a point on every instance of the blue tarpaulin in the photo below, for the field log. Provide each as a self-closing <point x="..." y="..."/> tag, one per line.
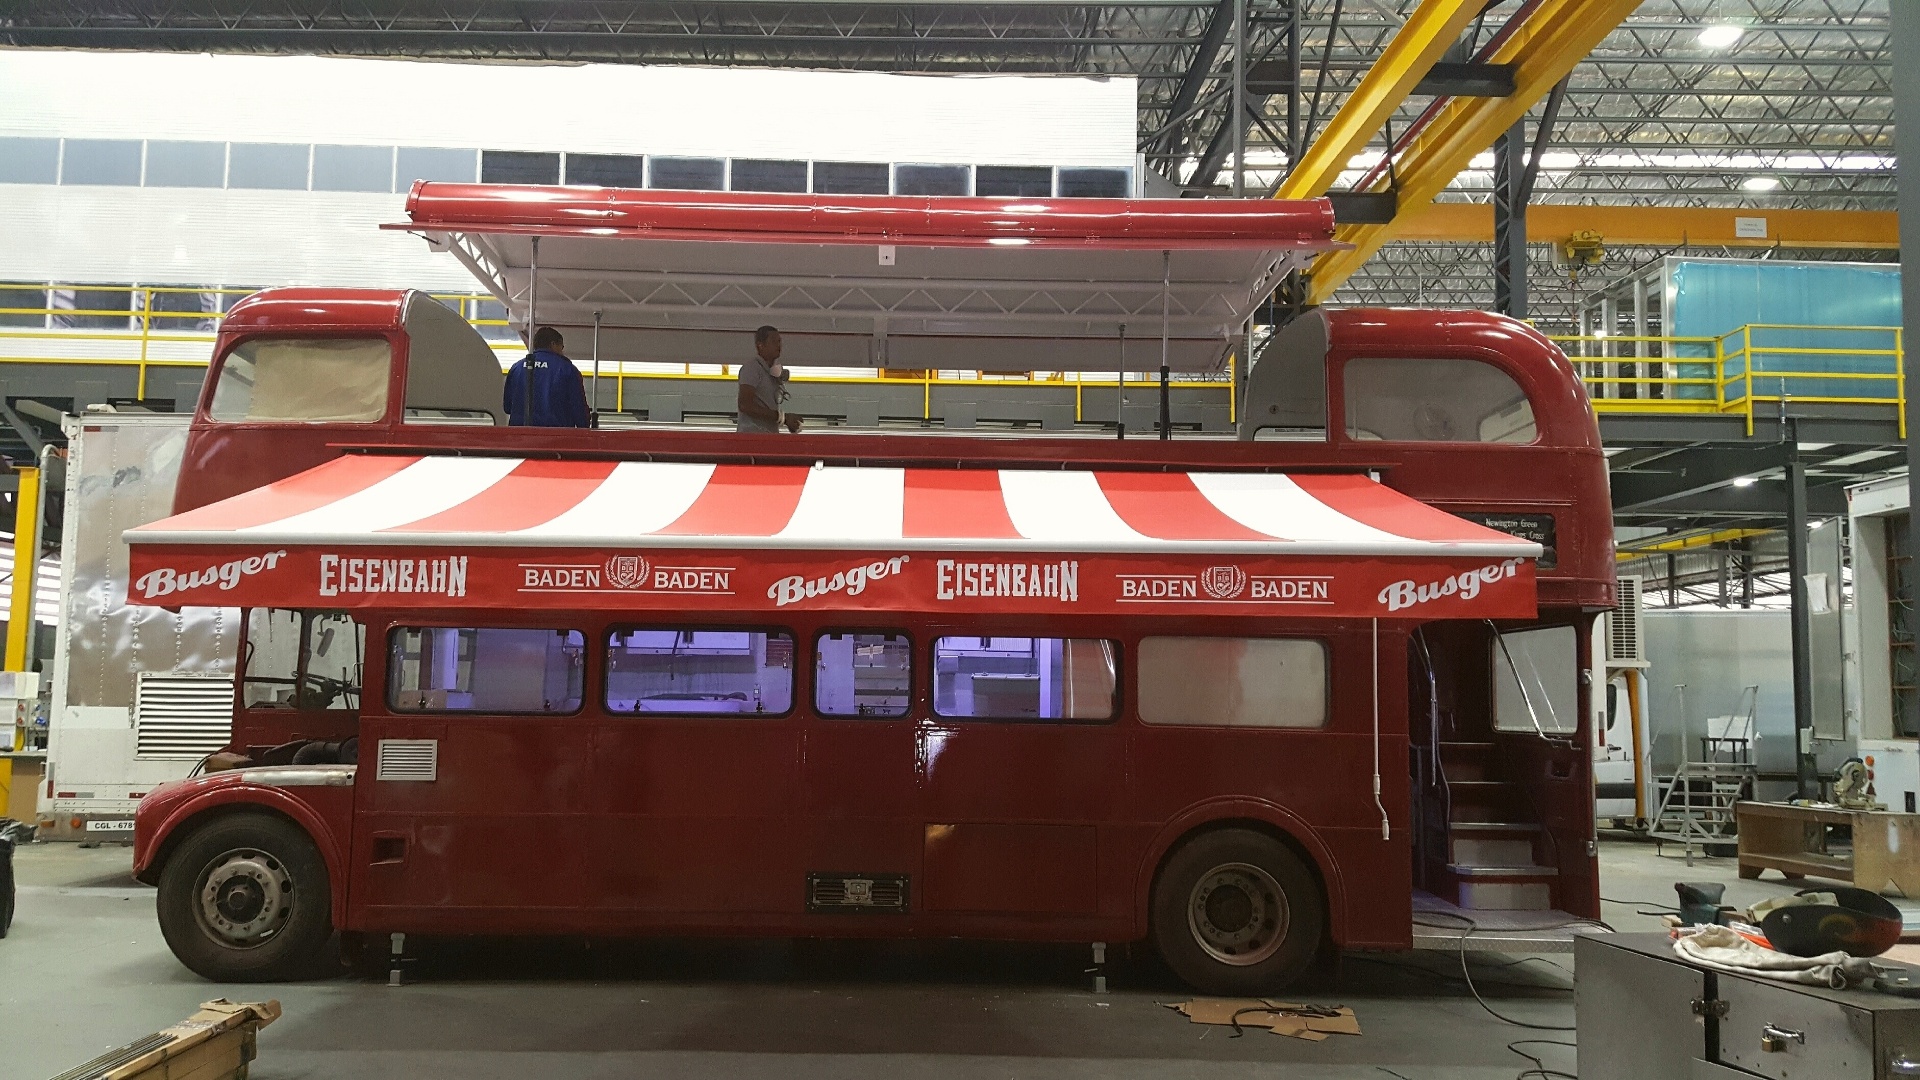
<point x="1785" y="302"/>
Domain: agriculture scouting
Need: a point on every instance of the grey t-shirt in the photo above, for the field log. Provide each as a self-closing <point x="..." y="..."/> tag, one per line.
<point x="756" y="375"/>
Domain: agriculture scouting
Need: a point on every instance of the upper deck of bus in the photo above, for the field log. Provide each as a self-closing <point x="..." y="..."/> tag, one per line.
<point x="1474" y="413"/>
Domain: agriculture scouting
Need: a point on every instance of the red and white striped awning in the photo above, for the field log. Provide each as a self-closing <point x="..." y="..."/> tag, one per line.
<point x="407" y="531"/>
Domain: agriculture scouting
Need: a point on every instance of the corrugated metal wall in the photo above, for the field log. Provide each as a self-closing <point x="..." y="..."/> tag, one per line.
<point x="115" y="231"/>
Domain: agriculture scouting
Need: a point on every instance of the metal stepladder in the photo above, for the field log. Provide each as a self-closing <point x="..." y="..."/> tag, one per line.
<point x="1697" y="807"/>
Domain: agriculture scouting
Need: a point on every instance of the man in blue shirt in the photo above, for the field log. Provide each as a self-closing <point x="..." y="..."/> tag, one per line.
<point x="547" y="379"/>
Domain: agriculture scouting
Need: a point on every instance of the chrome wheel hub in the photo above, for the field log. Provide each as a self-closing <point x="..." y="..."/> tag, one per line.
<point x="1238" y="914"/>
<point x="245" y="897"/>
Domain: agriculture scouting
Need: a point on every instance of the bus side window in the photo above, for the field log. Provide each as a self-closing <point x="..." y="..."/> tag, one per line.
<point x="1405" y="399"/>
<point x="302" y="660"/>
<point x="1023" y="678"/>
<point x="864" y="675"/>
<point x="486" y="669"/>
<point x="689" y="672"/>
<point x="303" y="380"/>
<point x="1233" y="682"/>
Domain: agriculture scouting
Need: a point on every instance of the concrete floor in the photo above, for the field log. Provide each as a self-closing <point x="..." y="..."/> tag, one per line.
<point x="85" y="969"/>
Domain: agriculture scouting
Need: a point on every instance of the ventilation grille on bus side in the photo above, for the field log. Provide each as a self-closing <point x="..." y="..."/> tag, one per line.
<point x="856" y="892"/>
<point x="408" y="759"/>
<point x="1623" y="622"/>
<point x="181" y="715"/>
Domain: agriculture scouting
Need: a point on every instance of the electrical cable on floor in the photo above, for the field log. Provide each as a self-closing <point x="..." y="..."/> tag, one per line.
<point x="1635" y="903"/>
<point x="1540" y="1067"/>
<point x="1461" y="941"/>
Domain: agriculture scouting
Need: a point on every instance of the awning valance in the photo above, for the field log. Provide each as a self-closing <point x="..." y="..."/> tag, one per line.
<point x="372" y="531"/>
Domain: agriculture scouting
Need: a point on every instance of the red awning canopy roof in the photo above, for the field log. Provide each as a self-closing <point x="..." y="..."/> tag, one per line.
<point x="885" y="281"/>
<point x="373" y="531"/>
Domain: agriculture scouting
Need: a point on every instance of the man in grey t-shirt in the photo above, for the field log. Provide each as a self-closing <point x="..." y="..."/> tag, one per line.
<point x="763" y="388"/>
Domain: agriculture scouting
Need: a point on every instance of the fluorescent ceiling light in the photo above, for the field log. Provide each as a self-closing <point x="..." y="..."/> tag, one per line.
<point x="1008" y="241"/>
<point x="1721" y="35"/>
<point x="1760" y="183"/>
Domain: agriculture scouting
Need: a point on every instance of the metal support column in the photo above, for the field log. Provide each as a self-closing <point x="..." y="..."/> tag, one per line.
<point x="1609" y="326"/>
<point x="1904" y="40"/>
<point x="1807" y="780"/>
<point x="1640" y="353"/>
<point x="26" y="561"/>
<point x="1745" y="544"/>
<point x="1293" y="82"/>
<point x="1510" y="222"/>
<point x="1166" y="315"/>
<point x="1239" y="120"/>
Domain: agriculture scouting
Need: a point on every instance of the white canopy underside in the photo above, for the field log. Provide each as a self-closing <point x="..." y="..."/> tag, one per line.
<point x="967" y="308"/>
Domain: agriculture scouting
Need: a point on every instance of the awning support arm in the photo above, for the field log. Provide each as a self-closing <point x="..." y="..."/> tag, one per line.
<point x="1166" y="314"/>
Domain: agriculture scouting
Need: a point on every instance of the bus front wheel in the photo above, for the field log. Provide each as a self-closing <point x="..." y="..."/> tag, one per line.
<point x="244" y="898"/>
<point x="1236" y="912"/>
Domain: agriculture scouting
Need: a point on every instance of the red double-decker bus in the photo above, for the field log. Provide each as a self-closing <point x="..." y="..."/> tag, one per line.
<point x="1252" y="700"/>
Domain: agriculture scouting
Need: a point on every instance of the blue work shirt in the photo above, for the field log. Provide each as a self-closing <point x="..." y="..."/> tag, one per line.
<point x="559" y="395"/>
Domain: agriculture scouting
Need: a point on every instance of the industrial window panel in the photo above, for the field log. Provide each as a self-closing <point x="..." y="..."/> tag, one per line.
<point x="1013" y="181"/>
<point x="268" y="166"/>
<point x="436" y="163"/>
<point x="113" y="162"/>
<point x="186" y="164"/>
<point x="23" y="296"/>
<point x="851" y="178"/>
<point x="1096" y="183"/>
<point x="607" y="170"/>
<point x="29" y="161"/>
<point x="930" y="180"/>
<point x="515" y="167"/>
<point x="688" y="174"/>
<point x="755" y="175"/>
<point x="352" y="168"/>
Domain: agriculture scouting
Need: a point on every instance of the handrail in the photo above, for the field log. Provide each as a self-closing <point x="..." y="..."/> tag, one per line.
<point x="146" y="340"/>
<point x="1743" y="372"/>
<point x="1732" y="373"/>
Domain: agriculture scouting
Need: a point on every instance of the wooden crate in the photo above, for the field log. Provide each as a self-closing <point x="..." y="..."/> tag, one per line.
<point x="1791" y="839"/>
<point x="216" y="1043"/>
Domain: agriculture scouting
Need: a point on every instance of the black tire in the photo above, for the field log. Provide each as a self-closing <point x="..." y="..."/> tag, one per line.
<point x="1236" y="912"/>
<point x="245" y="898"/>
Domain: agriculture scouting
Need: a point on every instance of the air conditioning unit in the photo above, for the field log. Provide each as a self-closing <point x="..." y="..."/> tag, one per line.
<point x="181" y="714"/>
<point x="1624" y="643"/>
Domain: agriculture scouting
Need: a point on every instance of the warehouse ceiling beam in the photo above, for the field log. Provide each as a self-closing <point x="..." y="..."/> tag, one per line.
<point x="1697" y="470"/>
<point x="1663" y="226"/>
<point x="1550" y="38"/>
<point x="1423" y="39"/>
<point x="1172" y="140"/>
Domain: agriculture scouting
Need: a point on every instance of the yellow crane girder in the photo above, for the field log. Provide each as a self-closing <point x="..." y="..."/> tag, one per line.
<point x="1420" y="42"/>
<point x="1665" y="226"/>
<point x="1556" y="35"/>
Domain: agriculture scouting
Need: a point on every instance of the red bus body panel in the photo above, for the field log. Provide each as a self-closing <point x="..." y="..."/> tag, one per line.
<point x="615" y="824"/>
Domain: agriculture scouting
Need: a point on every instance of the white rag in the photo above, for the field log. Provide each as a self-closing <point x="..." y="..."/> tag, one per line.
<point x="1721" y="949"/>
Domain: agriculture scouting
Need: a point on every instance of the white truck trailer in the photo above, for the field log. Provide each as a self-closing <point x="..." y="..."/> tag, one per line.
<point x="140" y="695"/>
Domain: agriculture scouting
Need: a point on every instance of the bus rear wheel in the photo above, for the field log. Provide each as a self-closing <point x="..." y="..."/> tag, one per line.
<point x="244" y="898"/>
<point x="1237" y="912"/>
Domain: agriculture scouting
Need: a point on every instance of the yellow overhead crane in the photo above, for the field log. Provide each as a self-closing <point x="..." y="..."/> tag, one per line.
<point x="1552" y="37"/>
<point x="1664" y="226"/>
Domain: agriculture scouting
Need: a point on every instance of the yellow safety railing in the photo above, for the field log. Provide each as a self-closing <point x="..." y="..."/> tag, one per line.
<point x="147" y="327"/>
<point x="1748" y="372"/>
